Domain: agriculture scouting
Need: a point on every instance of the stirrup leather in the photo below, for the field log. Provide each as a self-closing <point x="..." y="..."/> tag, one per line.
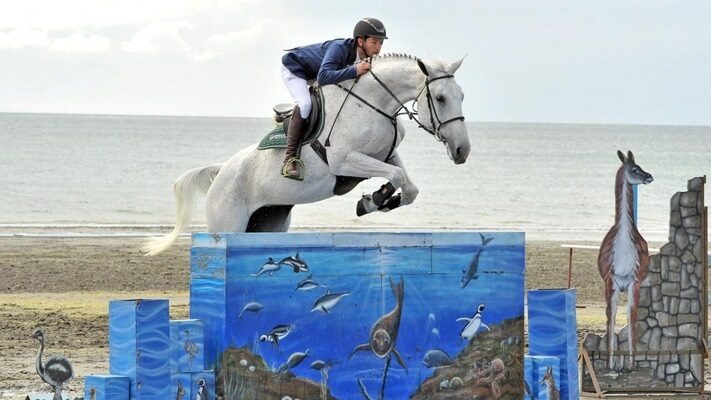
<point x="299" y="166"/>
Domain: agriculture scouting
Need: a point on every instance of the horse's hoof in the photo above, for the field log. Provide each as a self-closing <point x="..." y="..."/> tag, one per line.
<point x="383" y="194"/>
<point x="365" y="205"/>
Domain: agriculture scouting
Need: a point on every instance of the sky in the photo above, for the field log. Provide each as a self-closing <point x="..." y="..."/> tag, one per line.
<point x="601" y="61"/>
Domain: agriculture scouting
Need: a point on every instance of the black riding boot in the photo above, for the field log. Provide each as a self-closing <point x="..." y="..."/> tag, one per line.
<point x="293" y="167"/>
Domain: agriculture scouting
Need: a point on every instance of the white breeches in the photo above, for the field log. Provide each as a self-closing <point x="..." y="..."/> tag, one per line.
<point x="299" y="91"/>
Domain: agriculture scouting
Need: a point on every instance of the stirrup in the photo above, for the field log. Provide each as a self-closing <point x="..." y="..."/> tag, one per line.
<point x="298" y="165"/>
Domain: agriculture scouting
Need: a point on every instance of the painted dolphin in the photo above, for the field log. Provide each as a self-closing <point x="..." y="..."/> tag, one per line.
<point x="296" y="263"/>
<point x="474" y="324"/>
<point x="471" y="272"/>
<point x="269" y="267"/>
<point x="294" y="360"/>
<point x="277" y="333"/>
<point x="383" y="334"/>
<point x="437" y="358"/>
<point x="329" y="300"/>
<point x="252" y="306"/>
<point x="307" y="284"/>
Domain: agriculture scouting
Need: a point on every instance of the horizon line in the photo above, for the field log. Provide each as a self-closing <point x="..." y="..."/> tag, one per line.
<point x="269" y="117"/>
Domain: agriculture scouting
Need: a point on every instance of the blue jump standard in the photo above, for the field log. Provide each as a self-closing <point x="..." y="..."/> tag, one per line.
<point x="552" y="332"/>
<point x="151" y="357"/>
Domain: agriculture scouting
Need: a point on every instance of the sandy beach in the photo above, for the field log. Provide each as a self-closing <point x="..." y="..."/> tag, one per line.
<point x="63" y="287"/>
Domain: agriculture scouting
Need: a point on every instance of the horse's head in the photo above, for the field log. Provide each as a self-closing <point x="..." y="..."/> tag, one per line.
<point x="443" y="115"/>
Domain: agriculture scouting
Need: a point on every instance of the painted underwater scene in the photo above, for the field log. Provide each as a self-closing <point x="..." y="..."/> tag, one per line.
<point x="364" y="316"/>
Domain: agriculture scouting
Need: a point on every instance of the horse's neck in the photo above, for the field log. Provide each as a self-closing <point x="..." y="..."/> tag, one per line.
<point x="400" y="75"/>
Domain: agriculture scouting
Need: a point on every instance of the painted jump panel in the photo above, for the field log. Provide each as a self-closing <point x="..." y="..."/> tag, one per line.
<point x="335" y="316"/>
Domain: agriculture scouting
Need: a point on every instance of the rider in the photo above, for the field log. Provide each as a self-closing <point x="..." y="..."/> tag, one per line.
<point x="329" y="62"/>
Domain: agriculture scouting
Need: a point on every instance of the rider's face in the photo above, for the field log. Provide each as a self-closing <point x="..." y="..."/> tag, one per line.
<point x="371" y="45"/>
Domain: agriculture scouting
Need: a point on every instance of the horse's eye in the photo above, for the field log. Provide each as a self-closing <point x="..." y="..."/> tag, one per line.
<point x="440" y="98"/>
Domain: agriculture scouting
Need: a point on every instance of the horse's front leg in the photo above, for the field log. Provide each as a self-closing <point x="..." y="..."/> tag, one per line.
<point x="408" y="195"/>
<point x="364" y="166"/>
<point x="409" y="189"/>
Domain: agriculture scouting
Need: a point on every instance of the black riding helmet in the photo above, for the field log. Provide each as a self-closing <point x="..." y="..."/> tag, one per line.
<point x="369" y="27"/>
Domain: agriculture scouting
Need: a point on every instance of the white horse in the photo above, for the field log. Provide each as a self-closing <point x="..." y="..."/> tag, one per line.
<point x="249" y="194"/>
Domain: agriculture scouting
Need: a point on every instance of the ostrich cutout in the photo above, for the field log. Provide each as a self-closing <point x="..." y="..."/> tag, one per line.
<point x="56" y="372"/>
<point x="623" y="258"/>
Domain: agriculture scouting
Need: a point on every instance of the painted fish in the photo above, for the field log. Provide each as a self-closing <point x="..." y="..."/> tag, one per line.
<point x="383" y="334"/>
<point x="319" y="365"/>
<point x="307" y="284"/>
<point x="296" y="263"/>
<point x="472" y="271"/>
<point x="437" y="358"/>
<point x="294" y="360"/>
<point x="474" y="324"/>
<point x="277" y="334"/>
<point x="268" y="267"/>
<point x="252" y="306"/>
<point x="329" y="300"/>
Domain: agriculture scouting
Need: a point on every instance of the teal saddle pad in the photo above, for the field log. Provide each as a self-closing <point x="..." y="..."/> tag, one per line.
<point x="276" y="139"/>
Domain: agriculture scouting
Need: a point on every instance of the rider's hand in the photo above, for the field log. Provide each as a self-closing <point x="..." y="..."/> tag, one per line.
<point x="362" y="67"/>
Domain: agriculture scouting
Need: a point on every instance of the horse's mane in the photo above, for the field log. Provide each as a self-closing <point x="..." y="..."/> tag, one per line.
<point x="394" y="56"/>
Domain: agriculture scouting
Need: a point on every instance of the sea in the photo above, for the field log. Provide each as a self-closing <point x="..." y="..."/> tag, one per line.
<point x="114" y="174"/>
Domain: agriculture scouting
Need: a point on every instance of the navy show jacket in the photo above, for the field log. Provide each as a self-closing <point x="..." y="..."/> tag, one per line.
<point x="328" y="62"/>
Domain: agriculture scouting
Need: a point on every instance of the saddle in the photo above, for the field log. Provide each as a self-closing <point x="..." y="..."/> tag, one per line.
<point x="276" y="138"/>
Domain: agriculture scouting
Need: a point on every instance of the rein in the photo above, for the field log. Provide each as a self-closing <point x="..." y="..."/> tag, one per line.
<point x="402" y="110"/>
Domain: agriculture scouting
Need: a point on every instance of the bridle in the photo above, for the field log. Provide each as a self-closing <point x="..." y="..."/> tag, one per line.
<point x="435" y="130"/>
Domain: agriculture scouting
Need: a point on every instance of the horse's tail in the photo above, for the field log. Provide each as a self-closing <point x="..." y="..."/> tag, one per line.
<point x="185" y="188"/>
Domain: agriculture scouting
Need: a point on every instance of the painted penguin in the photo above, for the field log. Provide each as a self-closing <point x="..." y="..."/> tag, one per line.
<point x="383" y="334"/>
<point x="202" y="393"/>
<point x="474" y="324"/>
<point x="277" y="333"/>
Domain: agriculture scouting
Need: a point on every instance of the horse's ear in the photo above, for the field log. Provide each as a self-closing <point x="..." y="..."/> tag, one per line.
<point x="621" y="155"/>
<point x="630" y="156"/>
<point x="422" y="66"/>
<point x="453" y="67"/>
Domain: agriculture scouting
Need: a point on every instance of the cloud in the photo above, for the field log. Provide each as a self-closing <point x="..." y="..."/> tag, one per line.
<point x="159" y="38"/>
<point x="77" y="14"/>
<point x="19" y="38"/>
<point x="216" y="46"/>
<point x="78" y="43"/>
